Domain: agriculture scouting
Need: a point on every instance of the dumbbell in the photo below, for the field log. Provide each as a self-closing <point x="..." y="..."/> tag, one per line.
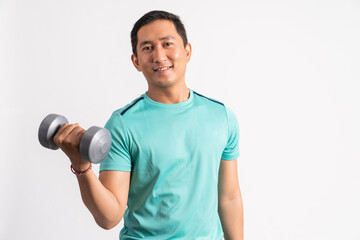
<point x="94" y="144"/>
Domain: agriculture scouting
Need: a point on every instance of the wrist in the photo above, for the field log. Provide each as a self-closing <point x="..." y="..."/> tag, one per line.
<point x="80" y="170"/>
<point x="79" y="164"/>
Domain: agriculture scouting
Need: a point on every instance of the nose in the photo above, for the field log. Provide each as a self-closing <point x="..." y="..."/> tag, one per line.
<point x="159" y="55"/>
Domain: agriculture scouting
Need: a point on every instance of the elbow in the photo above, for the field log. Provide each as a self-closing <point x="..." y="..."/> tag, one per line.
<point x="109" y="220"/>
<point x="107" y="225"/>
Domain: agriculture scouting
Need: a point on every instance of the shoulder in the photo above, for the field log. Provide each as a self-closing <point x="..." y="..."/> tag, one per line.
<point x="118" y="116"/>
<point x="129" y="107"/>
<point x="207" y="99"/>
<point x="215" y="104"/>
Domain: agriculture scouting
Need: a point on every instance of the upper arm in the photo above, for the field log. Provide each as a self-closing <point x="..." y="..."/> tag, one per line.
<point x="228" y="185"/>
<point x="117" y="182"/>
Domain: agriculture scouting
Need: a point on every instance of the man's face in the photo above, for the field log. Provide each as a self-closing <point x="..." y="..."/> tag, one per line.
<point x="161" y="55"/>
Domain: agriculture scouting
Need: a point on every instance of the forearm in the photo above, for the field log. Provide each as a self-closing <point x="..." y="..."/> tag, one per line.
<point x="231" y="216"/>
<point x="102" y="204"/>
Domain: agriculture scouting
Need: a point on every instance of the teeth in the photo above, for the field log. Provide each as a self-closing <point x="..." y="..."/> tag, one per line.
<point x="162" y="69"/>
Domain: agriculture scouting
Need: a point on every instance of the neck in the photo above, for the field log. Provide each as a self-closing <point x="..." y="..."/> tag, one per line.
<point x="170" y="95"/>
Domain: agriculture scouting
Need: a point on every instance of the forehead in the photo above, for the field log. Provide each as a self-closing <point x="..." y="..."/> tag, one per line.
<point x="156" y="30"/>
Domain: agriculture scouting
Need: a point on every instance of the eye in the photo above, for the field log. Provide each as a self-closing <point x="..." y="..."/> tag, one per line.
<point x="147" y="48"/>
<point x="167" y="44"/>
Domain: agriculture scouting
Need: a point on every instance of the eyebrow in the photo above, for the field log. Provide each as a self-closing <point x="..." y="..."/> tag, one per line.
<point x="161" y="39"/>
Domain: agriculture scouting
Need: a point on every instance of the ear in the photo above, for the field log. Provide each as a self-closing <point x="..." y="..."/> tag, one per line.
<point x="135" y="61"/>
<point x="188" y="50"/>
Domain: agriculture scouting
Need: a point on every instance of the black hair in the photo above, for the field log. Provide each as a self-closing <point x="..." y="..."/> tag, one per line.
<point x="157" y="15"/>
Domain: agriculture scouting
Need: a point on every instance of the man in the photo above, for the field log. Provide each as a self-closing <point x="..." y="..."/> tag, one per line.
<point x="172" y="168"/>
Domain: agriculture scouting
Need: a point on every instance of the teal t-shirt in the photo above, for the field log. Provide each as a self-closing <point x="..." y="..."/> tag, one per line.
<point x="173" y="152"/>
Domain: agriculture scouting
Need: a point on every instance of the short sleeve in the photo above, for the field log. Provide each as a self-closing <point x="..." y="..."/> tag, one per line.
<point x="231" y="150"/>
<point x="119" y="155"/>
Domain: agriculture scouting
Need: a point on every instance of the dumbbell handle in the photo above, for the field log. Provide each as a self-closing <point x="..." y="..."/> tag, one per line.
<point x="94" y="145"/>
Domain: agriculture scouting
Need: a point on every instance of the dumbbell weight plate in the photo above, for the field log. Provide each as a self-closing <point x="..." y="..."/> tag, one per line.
<point x="48" y="128"/>
<point x="95" y="144"/>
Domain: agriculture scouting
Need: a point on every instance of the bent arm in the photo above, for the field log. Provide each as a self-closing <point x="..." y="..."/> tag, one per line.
<point x="230" y="206"/>
<point x="106" y="196"/>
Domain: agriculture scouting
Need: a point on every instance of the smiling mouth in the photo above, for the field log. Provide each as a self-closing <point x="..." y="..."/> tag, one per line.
<point x="162" y="69"/>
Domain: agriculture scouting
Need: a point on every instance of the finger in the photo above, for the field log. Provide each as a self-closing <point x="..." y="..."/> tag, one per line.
<point x="62" y="128"/>
<point x="66" y="131"/>
<point x="59" y="132"/>
<point x="75" y="136"/>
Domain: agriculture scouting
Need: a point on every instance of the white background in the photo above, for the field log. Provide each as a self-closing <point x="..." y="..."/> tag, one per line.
<point x="288" y="69"/>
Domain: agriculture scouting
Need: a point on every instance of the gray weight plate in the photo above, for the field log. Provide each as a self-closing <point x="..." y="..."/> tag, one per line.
<point x="48" y="128"/>
<point x="95" y="144"/>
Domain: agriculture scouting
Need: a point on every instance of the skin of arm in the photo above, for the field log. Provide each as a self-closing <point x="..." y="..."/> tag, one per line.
<point x="230" y="206"/>
<point x="106" y="196"/>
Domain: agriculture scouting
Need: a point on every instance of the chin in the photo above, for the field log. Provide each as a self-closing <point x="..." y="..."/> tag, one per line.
<point x="162" y="84"/>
